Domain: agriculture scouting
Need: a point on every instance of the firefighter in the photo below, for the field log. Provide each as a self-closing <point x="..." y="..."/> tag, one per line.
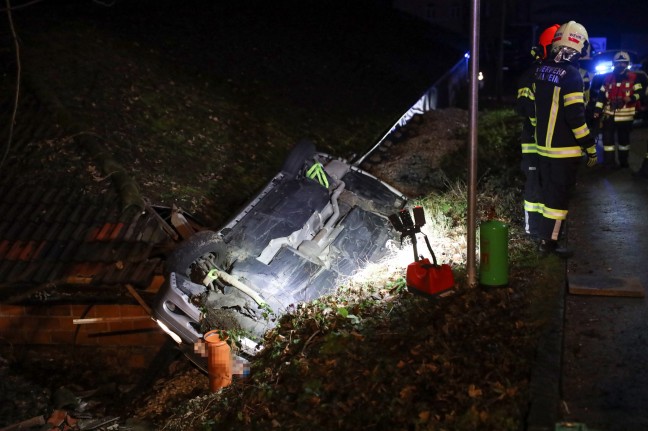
<point x="526" y="108"/>
<point x="562" y="135"/>
<point x="616" y="105"/>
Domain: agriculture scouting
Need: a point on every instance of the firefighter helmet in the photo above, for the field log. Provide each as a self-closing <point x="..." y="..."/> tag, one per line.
<point x="621" y="57"/>
<point x="621" y="62"/>
<point x="571" y="35"/>
<point x="546" y="38"/>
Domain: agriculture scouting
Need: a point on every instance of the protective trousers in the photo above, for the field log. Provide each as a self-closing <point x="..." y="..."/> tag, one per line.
<point x="557" y="178"/>
<point x="619" y="131"/>
<point x="531" y="194"/>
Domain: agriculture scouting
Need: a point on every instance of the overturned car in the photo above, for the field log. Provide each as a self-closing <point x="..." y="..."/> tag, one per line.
<point x="316" y="222"/>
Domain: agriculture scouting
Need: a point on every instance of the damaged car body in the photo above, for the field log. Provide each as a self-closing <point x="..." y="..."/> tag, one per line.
<point x="314" y="224"/>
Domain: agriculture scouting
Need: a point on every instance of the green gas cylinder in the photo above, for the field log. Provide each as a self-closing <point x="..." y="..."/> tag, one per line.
<point x="493" y="248"/>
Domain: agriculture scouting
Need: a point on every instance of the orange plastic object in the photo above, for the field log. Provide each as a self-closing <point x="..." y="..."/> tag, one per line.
<point x="428" y="279"/>
<point x="219" y="357"/>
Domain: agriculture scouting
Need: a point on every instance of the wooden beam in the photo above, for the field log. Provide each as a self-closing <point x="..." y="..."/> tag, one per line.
<point x="108" y="319"/>
<point x="138" y="298"/>
<point x="606" y="286"/>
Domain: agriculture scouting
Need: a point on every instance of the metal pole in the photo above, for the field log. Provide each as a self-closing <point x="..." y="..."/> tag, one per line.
<point x="472" y="152"/>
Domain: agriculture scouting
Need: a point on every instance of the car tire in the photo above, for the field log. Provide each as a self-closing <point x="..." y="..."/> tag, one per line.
<point x="203" y="245"/>
<point x="302" y="151"/>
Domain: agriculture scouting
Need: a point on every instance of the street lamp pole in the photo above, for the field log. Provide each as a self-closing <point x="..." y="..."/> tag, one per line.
<point x="472" y="152"/>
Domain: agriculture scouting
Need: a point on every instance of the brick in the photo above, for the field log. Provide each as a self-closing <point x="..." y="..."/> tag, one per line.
<point x="78" y="310"/>
<point x="37" y="311"/>
<point x="126" y="325"/>
<point x="28" y="324"/>
<point x="156" y="339"/>
<point x="67" y="323"/>
<point x="15" y="337"/>
<point x="132" y="310"/>
<point x="11" y="310"/>
<point x="83" y="339"/>
<point x="49" y="323"/>
<point x="40" y="337"/>
<point x="60" y="310"/>
<point x="108" y="311"/>
<point x="62" y="337"/>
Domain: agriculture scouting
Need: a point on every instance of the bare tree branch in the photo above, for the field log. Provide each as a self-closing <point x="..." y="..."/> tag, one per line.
<point x="18" y="74"/>
<point x="10" y="8"/>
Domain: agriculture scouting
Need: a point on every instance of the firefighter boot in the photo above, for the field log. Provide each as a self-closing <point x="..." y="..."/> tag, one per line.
<point x="548" y="246"/>
<point x="608" y="160"/>
<point x="623" y="158"/>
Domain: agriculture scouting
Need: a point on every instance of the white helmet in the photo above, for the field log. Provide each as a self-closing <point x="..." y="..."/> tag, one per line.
<point x="572" y="35"/>
<point x="621" y="62"/>
<point x="621" y="57"/>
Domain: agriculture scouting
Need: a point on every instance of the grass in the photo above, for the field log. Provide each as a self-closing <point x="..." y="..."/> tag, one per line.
<point x="375" y="356"/>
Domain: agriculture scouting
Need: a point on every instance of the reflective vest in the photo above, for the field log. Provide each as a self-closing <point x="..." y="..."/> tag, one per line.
<point x="614" y="92"/>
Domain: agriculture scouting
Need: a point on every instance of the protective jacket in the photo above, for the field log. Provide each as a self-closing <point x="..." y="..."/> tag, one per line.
<point x="619" y="95"/>
<point x="525" y="107"/>
<point x="561" y="130"/>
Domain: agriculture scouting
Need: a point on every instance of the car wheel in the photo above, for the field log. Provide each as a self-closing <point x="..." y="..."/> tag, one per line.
<point x="197" y="255"/>
<point x="301" y="152"/>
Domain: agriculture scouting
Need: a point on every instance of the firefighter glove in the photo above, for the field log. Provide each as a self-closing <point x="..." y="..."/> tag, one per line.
<point x="591" y="156"/>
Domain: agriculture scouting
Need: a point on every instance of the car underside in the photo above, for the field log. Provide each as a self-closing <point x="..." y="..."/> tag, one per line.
<point x="314" y="224"/>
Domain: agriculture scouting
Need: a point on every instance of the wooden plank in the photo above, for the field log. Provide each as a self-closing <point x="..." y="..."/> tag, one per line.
<point x="108" y="319"/>
<point x="138" y="298"/>
<point x="605" y="286"/>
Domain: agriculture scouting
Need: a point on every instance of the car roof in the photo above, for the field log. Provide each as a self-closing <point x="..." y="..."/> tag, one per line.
<point x="610" y="53"/>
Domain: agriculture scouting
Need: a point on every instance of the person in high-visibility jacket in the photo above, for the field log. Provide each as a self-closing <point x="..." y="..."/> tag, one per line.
<point x="616" y="104"/>
<point x="562" y="135"/>
<point x="525" y="106"/>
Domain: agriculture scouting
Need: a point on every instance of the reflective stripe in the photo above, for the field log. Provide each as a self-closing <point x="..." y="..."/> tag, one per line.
<point x="624" y="147"/>
<point x="560" y="153"/>
<point x="608" y="147"/>
<point x="573" y="98"/>
<point x="532" y="207"/>
<point x="529" y="148"/>
<point x="621" y="114"/>
<point x="581" y="132"/>
<point x="524" y="92"/>
<point x="554" y="214"/>
<point x="533" y="121"/>
<point x="553" y="113"/>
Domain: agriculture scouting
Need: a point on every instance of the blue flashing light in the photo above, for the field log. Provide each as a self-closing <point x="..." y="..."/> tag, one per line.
<point x="604" y="67"/>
